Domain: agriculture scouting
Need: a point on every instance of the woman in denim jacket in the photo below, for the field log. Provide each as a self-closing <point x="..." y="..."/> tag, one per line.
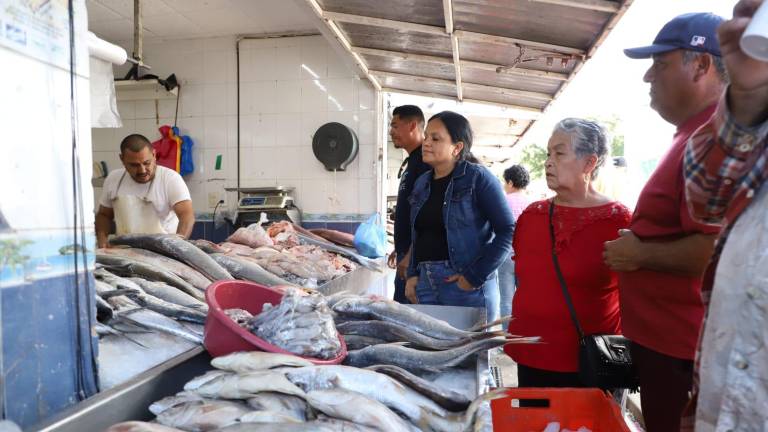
<point x="461" y="224"/>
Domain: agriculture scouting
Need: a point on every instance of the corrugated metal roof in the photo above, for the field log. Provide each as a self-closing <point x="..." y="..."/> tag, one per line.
<point x="516" y="53"/>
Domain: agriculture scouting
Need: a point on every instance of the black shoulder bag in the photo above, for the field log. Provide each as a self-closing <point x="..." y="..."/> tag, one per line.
<point x="604" y="360"/>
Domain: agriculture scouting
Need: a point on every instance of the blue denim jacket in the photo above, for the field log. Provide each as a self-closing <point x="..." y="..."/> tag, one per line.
<point x="478" y="221"/>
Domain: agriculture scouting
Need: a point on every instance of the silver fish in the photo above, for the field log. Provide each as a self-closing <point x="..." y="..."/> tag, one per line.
<point x="129" y="268"/>
<point x="414" y="406"/>
<point x="368" y="308"/>
<point x="208" y="247"/>
<point x="170" y="294"/>
<point x="176" y="247"/>
<point x="357" y="408"/>
<point x="168" y="309"/>
<point x="159" y="322"/>
<point x="244" y="386"/>
<point x="291" y="406"/>
<point x="103" y="330"/>
<point x="194" y="277"/>
<point x="203" y="416"/>
<point x="248" y="270"/>
<point x="171" y="401"/>
<point x="393" y="332"/>
<point x="251" y="361"/>
<point x="266" y="416"/>
<point x="419" y="361"/>
<point x="196" y="382"/>
<point x="108" y="281"/>
<point x="324" y="425"/>
<point x="139" y="426"/>
<point x="355" y="342"/>
<point x="446" y="398"/>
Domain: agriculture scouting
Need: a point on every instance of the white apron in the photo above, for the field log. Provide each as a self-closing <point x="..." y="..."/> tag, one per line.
<point x="134" y="214"/>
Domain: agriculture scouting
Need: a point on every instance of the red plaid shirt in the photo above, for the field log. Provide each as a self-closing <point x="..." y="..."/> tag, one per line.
<point x="725" y="164"/>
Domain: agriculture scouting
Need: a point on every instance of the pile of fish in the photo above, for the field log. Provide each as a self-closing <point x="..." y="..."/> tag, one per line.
<point x="302" y="324"/>
<point x="377" y="331"/>
<point x="283" y="254"/>
<point x="259" y="391"/>
<point x="153" y="277"/>
<point x="135" y="305"/>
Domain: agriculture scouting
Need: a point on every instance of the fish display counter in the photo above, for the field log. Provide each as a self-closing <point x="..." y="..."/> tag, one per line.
<point x="150" y="289"/>
<point x="131" y="399"/>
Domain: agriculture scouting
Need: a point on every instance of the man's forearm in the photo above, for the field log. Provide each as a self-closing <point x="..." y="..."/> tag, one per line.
<point x="185" y="227"/>
<point x="687" y="256"/>
<point x="103" y="225"/>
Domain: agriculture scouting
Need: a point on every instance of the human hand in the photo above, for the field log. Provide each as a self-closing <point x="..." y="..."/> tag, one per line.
<point x="410" y="289"/>
<point x="623" y="254"/>
<point x="748" y="94"/>
<point x="392" y="260"/>
<point x="402" y="268"/>
<point x="461" y="282"/>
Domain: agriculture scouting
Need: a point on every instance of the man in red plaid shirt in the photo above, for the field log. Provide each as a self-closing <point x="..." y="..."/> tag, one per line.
<point x="726" y="165"/>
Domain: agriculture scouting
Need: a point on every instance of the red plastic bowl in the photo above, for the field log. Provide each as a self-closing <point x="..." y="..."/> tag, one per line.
<point x="224" y="336"/>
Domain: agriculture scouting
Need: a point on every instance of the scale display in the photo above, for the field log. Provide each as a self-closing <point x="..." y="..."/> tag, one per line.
<point x="253" y="201"/>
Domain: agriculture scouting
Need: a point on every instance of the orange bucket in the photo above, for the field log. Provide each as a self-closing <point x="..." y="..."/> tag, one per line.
<point x="571" y="407"/>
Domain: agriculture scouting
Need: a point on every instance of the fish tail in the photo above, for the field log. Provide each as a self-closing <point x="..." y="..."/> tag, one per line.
<point x="502" y="321"/>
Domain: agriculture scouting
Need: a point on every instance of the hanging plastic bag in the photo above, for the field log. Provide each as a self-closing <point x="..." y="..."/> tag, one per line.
<point x="371" y="238"/>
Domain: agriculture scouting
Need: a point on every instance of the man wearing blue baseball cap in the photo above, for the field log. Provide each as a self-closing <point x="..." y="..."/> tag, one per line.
<point x="662" y="257"/>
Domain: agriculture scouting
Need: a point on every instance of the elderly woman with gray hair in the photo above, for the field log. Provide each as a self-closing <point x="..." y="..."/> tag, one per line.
<point x="583" y="220"/>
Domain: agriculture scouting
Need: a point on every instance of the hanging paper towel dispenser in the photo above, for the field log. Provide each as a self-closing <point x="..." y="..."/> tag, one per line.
<point x="335" y="145"/>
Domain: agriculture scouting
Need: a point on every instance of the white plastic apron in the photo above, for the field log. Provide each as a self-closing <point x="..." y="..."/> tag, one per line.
<point x="134" y="214"/>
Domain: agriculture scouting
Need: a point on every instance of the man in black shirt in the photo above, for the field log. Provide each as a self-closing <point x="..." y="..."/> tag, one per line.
<point x="407" y="133"/>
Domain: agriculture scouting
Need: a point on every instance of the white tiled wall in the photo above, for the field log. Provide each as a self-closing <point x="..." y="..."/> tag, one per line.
<point x="289" y="88"/>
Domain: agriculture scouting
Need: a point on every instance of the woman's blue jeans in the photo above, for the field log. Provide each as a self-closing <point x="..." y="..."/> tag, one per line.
<point x="506" y="286"/>
<point x="433" y="289"/>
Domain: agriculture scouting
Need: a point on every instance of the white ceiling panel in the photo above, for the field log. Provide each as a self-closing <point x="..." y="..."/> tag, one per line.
<point x="184" y="19"/>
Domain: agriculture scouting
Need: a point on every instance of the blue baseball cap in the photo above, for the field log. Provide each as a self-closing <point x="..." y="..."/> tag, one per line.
<point x="691" y="31"/>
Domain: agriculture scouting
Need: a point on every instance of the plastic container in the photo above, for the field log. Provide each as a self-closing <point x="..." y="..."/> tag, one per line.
<point x="224" y="336"/>
<point x="571" y="407"/>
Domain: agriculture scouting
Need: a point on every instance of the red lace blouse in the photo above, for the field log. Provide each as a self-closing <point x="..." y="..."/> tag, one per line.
<point x="538" y="306"/>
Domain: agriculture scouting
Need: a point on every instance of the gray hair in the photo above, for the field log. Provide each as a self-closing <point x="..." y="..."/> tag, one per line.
<point x="717" y="61"/>
<point x="587" y="138"/>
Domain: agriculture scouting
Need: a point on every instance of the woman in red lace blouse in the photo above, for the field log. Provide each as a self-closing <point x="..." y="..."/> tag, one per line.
<point x="583" y="221"/>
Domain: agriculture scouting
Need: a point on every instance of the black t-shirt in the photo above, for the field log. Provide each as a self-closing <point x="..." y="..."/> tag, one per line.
<point x="431" y="239"/>
<point x="415" y="168"/>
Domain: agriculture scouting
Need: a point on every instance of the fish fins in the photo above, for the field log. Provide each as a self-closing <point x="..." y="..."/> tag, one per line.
<point x="502" y="321"/>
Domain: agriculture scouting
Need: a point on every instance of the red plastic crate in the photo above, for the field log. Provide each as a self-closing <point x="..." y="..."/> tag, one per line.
<point x="224" y="336"/>
<point x="571" y="407"/>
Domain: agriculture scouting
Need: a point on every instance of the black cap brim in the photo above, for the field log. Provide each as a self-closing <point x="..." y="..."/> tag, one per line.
<point x="648" y="51"/>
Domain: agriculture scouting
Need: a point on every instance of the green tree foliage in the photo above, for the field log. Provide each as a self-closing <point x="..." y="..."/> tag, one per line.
<point x="614" y="128"/>
<point x="533" y="160"/>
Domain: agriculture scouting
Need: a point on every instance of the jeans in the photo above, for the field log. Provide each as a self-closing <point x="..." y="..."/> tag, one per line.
<point x="506" y="286"/>
<point x="433" y="289"/>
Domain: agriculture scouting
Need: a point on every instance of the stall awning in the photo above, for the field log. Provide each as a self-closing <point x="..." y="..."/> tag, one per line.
<point x="515" y="53"/>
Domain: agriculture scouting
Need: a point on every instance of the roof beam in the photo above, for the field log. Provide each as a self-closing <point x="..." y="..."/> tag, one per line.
<point x="457" y="66"/>
<point x="440" y="31"/>
<point x="595" y="5"/>
<point x="448" y="13"/>
<point x="530" y="113"/>
<point x="464" y="63"/>
<point x="342" y="42"/>
<point x="483" y="87"/>
<point x="503" y="40"/>
<point x="386" y="23"/>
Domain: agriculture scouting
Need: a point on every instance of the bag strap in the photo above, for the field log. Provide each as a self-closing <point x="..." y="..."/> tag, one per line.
<point x="560" y="277"/>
